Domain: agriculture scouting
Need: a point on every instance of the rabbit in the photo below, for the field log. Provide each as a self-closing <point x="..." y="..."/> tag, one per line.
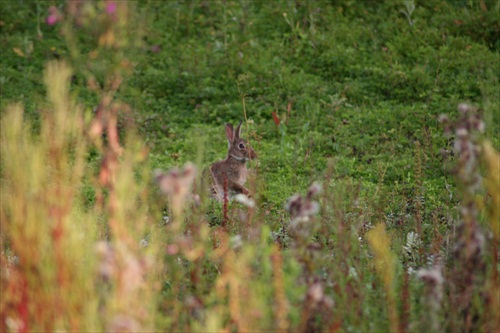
<point x="231" y="174"/>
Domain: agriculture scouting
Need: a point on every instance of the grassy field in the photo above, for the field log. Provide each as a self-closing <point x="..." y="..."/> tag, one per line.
<point x="383" y="116"/>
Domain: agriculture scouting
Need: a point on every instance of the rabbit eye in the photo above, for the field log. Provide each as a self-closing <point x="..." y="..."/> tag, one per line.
<point x="242" y="146"/>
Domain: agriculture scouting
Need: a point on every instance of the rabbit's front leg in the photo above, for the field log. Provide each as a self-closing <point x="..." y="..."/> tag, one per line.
<point x="240" y="189"/>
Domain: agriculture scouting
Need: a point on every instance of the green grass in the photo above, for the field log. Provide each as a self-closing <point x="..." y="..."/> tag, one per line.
<point x="358" y="87"/>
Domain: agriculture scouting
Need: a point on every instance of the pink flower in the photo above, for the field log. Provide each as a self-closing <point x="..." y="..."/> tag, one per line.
<point x="111" y="7"/>
<point x="52" y="19"/>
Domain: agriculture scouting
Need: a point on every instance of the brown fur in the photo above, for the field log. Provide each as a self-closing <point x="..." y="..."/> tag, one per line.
<point x="231" y="174"/>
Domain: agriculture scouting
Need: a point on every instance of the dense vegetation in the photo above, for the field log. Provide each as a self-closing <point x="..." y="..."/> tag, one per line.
<point x="382" y="115"/>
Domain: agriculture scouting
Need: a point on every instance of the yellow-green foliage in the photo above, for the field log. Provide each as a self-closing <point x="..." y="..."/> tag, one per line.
<point x="492" y="161"/>
<point x="385" y="263"/>
<point x="66" y="277"/>
<point x="42" y="222"/>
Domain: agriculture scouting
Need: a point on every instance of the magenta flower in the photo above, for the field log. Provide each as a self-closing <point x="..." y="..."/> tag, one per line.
<point x="111" y="7"/>
<point x="53" y="17"/>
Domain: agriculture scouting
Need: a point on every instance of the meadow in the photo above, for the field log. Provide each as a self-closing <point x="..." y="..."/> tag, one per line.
<point x="375" y="196"/>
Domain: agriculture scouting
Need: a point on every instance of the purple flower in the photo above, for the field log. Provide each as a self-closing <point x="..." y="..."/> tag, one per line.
<point x="301" y="208"/>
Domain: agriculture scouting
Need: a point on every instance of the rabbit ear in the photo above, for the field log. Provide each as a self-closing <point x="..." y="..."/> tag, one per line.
<point x="229" y="133"/>
<point x="238" y="130"/>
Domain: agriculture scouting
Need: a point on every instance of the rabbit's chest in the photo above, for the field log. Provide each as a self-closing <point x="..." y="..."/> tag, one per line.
<point x="242" y="178"/>
<point x="241" y="175"/>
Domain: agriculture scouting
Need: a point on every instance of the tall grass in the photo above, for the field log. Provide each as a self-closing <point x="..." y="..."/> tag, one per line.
<point x="43" y="225"/>
<point x="66" y="275"/>
<point x="92" y="242"/>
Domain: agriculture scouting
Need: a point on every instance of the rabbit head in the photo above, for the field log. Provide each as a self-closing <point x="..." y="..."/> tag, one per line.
<point x="239" y="149"/>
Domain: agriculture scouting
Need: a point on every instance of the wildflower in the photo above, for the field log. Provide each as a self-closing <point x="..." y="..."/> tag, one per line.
<point x="466" y="145"/>
<point x="51" y="19"/>
<point x="315" y="292"/>
<point x="432" y="277"/>
<point x="469" y="243"/>
<point x="118" y="263"/>
<point x="132" y="270"/>
<point x="172" y="249"/>
<point x="443" y="118"/>
<point x="433" y="295"/>
<point x="462" y="132"/>
<point x="301" y="208"/>
<point x="472" y="241"/>
<point x="111" y="7"/>
<point x="317" y="303"/>
<point x="54" y="16"/>
<point x="463" y="108"/>
<point x="314" y="189"/>
<point x="176" y="184"/>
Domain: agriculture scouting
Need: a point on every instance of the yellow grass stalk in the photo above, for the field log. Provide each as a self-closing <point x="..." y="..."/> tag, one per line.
<point x="384" y="262"/>
<point x="491" y="159"/>
<point x="492" y="183"/>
